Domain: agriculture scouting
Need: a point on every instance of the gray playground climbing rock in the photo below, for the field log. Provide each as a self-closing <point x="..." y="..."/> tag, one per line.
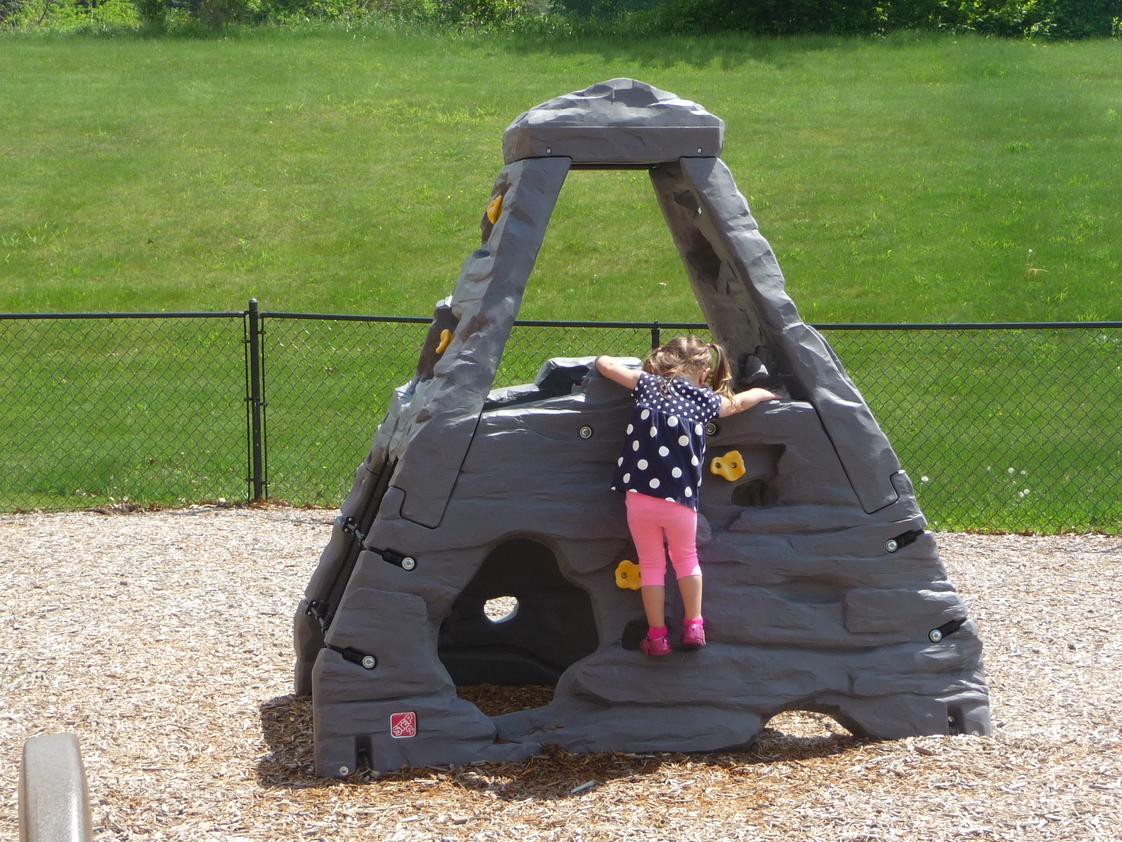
<point x="824" y="591"/>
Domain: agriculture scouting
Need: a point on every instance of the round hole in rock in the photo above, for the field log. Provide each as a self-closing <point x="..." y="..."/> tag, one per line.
<point x="501" y="609"/>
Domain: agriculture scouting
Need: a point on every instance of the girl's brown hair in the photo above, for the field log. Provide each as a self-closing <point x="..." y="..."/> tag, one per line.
<point x="688" y="357"/>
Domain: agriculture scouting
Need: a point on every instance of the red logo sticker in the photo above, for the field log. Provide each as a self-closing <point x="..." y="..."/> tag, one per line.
<point x="403" y="725"/>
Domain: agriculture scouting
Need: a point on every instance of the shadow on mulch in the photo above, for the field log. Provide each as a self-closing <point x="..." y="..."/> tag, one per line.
<point x="286" y="722"/>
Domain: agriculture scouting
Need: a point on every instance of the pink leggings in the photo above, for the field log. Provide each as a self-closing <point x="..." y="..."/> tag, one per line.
<point x="648" y="518"/>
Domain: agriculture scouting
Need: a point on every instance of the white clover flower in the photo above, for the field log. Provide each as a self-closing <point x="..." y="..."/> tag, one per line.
<point x="924" y="479"/>
<point x="1011" y="471"/>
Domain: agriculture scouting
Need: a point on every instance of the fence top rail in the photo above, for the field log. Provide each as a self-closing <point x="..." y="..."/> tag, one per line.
<point x="222" y="314"/>
<point x="345" y="317"/>
<point x="703" y="326"/>
<point x="518" y="323"/>
<point x="972" y="326"/>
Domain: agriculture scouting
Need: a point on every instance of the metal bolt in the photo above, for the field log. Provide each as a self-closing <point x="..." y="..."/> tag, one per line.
<point x="408" y="563"/>
<point x="585" y="432"/>
<point x="711" y="429"/>
<point x="934" y="635"/>
<point x="344" y="770"/>
<point x="369" y="662"/>
<point x="549" y="150"/>
<point x="699" y="150"/>
<point x="892" y="545"/>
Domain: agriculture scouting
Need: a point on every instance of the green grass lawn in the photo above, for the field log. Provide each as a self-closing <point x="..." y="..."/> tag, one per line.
<point x="905" y="179"/>
<point x="917" y="178"/>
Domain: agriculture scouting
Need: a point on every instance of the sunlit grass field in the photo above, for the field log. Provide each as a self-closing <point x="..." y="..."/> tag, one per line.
<point x="909" y="179"/>
<point x="917" y="178"/>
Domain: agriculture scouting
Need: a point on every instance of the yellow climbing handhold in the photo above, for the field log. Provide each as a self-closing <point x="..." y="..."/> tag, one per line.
<point x="445" y="341"/>
<point x="730" y="466"/>
<point x="627" y="575"/>
<point x="495" y="209"/>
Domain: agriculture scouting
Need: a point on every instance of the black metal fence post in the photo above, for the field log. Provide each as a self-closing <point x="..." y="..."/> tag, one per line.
<point x="656" y="336"/>
<point x="256" y="406"/>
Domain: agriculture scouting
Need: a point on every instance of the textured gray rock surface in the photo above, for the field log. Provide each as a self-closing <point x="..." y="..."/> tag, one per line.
<point x="823" y="590"/>
<point x="620" y="123"/>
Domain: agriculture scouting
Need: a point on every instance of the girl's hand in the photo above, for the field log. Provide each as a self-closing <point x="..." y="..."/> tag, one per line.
<point x="617" y="372"/>
<point x="742" y="401"/>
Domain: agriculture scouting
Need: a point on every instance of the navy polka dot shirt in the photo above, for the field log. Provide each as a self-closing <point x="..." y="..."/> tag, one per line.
<point x="665" y="443"/>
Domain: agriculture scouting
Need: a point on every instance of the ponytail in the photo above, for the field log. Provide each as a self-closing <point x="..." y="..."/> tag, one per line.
<point x="720" y="377"/>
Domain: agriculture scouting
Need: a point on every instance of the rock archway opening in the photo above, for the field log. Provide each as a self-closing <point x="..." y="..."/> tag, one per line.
<point x="517" y="624"/>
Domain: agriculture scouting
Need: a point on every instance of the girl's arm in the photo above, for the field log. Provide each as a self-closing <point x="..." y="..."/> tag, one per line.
<point x="614" y="370"/>
<point x="742" y="401"/>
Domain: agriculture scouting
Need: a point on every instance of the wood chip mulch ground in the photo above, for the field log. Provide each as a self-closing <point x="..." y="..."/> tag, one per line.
<point x="163" y="640"/>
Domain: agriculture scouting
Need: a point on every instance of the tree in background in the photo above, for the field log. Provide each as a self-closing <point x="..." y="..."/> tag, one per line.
<point x="626" y="18"/>
<point x="8" y="12"/>
<point x="1048" y="18"/>
<point x="1032" y="18"/>
<point x="216" y="14"/>
<point x="63" y="15"/>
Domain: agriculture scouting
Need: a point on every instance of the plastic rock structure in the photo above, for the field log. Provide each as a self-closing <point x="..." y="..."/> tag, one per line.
<point x="823" y="591"/>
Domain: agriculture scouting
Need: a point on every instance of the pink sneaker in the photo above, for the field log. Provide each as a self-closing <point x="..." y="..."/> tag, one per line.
<point x="693" y="634"/>
<point x="656" y="647"/>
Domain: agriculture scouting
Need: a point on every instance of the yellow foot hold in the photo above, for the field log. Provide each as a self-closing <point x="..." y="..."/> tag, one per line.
<point x="627" y="575"/>
<point x="495" y="209"/>
<point x="730" y="466"/>
<point x="445" y="341"/>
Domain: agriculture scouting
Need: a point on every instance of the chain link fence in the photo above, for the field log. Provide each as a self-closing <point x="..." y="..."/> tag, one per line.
<point x="1001" y="427"/>
<point x="104" y="410"/>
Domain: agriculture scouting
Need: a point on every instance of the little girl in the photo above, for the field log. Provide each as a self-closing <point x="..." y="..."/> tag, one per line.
<point x="676" y="394"/>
